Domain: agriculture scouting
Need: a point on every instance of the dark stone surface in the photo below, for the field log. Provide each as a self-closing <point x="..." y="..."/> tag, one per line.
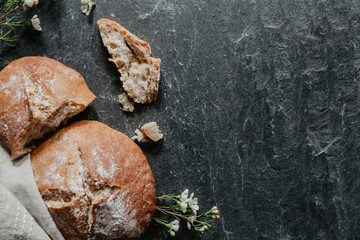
<point x="259" y="103"/>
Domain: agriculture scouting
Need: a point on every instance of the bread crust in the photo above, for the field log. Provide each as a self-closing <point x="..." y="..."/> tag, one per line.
<point x="34" y="90"/>
<point x="140" y="47"/>
<point x="140" y="73"/>
<point x="102" y="167"/>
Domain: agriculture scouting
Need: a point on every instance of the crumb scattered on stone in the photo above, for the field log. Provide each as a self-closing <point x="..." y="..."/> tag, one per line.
<point x="140" y="137"/>
<point x="149" y="131"/>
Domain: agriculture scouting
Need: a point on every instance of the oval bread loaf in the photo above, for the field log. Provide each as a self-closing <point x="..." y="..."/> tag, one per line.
<point x="36" y="95"/>
<point x="95" y="181"/>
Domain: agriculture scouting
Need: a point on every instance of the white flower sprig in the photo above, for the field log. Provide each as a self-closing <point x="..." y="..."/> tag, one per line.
<point x="184" y="207"/>
<point x="87" y="6"/>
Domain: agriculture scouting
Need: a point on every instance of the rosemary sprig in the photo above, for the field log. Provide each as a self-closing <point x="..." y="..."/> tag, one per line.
<point x="9" y="3"/>
<point x="11" y="11"/>
<point x="12" y="21"/>
<point x="11" y="18"/>
<point x="5" y="40"/>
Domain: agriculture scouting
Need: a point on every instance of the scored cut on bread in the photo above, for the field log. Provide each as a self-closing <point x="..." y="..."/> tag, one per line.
<point x="95" y="181"/>
<point x="140" y="73"/>
<point x="36" y="95"/>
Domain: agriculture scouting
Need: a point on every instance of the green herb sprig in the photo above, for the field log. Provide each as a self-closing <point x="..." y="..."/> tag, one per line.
<point x="183" y="207"/>
<point x="11" y="18"/>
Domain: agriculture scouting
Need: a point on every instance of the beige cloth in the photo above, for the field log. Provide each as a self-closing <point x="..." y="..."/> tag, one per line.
<point x="23" y="213"/>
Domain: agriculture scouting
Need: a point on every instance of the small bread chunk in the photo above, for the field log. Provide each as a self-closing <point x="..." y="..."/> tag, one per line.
<point x="140" y="73"/>
<point x="96" y="182"/>
<point x="127" y="104"/>
<point x="36" y="95"/>
<point x="149" y="131"/>
<point x="140" y="137"/>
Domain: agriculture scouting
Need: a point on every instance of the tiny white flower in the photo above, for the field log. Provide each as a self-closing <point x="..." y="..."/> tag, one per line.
<point x="191" y="221"/>
<point x="35" y="22"/>
<point x="184" y="199"/>
<point x="193" y="203"/>
<point x="175" y="225"/>
<point x="188" y="225"/>
<point x="183" y="206"/>
<point x="86" y="6"/>
<point x="185" y="194"/>
<point x="30" y="3"/>
<point x="215" y="211"/>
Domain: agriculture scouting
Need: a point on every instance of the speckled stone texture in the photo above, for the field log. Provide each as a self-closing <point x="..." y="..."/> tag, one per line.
<point x="259" y="104"/>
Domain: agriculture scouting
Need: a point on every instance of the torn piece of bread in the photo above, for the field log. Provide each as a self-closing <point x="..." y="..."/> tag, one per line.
<point x="126" y="102"/>
<point x="36" y="95"/>
<point x="96" y="182"/>
<point x="149" y="131"/>
<point x="140" y="73"/>
<point x="140" y="137"/>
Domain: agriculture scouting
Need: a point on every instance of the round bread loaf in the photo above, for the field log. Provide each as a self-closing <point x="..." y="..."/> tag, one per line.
<point x="36" y="95"/>
<point x="95" y="181"/>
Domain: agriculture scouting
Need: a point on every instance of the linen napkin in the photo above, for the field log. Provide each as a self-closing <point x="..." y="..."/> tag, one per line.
<point x="23" y="213"/>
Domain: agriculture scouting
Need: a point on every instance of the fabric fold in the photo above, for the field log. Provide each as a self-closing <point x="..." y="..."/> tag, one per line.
<point x="21" y="205"/>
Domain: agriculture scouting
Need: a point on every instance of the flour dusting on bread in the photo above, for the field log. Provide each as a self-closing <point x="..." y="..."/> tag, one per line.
<point x="122" y="217"/>
<point x="37" y="94"/>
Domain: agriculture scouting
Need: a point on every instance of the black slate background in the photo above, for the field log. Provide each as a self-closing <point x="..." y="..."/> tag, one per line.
<point x="259" y="103"/>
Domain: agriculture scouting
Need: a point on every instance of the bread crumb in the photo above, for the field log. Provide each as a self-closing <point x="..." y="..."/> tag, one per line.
<point x="140" y="137"/>
<point x="127" y="104"/>
<point x="149" y="131"/>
